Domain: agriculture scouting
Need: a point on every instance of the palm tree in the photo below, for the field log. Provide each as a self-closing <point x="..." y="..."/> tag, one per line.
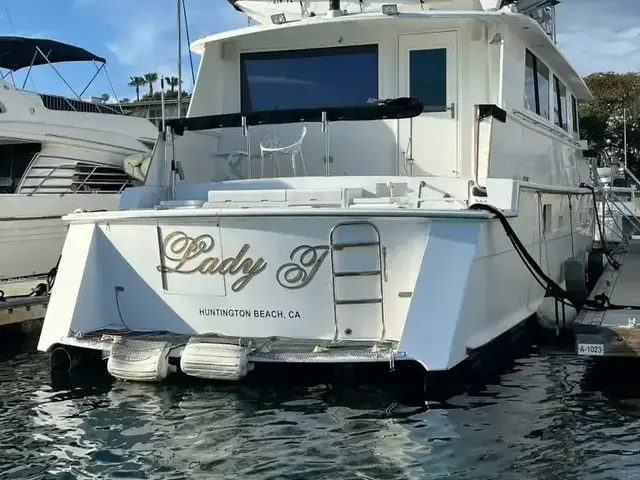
<point x="173" y="82"/>
<point x="150" y="79"/>
<point x="137" y="82"/>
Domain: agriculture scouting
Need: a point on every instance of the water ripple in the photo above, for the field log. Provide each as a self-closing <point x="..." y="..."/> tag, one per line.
<point x="550" y="416"/>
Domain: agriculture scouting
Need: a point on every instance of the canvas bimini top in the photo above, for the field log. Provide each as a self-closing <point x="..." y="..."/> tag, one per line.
<point x="21" y="52"/>
<point x="392" y="108"/>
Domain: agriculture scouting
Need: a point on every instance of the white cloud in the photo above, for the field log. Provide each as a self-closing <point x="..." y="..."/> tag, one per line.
<point x="600" y="35"/>
<point x="145" y="39"/>
<point x="596" y="35"/>
<point x="136" y="45"/>
<point x="630" y="34"/>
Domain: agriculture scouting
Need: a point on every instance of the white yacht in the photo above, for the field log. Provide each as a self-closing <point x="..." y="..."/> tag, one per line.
<point x="57" y="154"/>
<point x="296" y="215"/>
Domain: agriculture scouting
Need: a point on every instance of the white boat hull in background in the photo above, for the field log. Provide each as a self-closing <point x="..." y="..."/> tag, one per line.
<point x="78" y="164"/>
<point x="32" y="232"/>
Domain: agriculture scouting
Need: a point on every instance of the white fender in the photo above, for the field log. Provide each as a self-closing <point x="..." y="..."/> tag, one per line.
<point x="136" y="165"/>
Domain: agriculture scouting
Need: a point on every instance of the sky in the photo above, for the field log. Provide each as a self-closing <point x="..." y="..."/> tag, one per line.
<point x="134" y="36"/>
<point x="139" y="36"/>
<point x="600" y="35"/>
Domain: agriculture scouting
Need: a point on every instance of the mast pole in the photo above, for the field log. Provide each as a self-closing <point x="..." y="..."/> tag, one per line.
<point x="624" y="123"/>
<point x="179" y="60"/>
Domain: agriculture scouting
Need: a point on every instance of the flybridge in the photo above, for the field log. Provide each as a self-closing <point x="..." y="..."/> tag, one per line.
<point x="543" y="11"/>
<point x="281" y="11"/>
<point x="263" y="11"/>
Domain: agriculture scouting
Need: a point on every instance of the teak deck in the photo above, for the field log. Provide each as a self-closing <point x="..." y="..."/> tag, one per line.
<point x="613" y="332"/>
<point x="22" y="309"/>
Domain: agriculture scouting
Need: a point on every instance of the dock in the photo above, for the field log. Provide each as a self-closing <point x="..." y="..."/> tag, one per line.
<point x="19" y="306"/>
<point x="614" y="330"/>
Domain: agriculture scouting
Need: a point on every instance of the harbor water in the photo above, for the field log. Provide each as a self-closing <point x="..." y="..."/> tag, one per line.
<point x="548" y="414"/>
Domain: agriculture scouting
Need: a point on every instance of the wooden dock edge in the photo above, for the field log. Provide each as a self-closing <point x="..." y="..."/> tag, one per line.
<point x="595" y="337"/>
<point x="23" y="310"/>
<point x="609" y="342"/>
<point x="19" y="312"/>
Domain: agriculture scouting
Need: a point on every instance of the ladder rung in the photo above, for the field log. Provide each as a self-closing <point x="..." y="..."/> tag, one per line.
<point x="364" y="273"/>
<point x="359" y="301"/>
<point x="341" y="246"/>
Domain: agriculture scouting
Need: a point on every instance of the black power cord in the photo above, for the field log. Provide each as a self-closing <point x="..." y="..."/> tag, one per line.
<point x="39" y="290"/>
<point x="552" y="289"/>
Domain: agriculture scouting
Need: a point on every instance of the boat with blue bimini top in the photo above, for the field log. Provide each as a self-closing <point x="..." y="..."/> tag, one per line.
<point x="57" y="154"/>
<point x="296" y="216"/>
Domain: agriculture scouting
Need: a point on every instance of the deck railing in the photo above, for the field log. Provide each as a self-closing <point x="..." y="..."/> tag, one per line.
<point x="612" y="205"/>
<point x="74" y="178"/>
<point x="64" y="104"/>
<point x="55" y="102"/>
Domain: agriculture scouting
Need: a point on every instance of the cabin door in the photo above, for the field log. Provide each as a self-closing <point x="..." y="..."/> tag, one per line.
<point x="428" y="70"/>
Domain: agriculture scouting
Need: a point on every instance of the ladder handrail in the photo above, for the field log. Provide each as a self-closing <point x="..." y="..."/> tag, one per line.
<point x="630" y="173"/>
<point x="610" y="199"/>
<point x="381" y="272"/>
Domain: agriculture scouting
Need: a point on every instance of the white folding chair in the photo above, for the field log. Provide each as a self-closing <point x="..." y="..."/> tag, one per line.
<point x="271" y="146"/>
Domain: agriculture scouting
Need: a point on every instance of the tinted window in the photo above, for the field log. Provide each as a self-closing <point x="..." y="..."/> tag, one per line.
<point x="543" y="88"/>
<point x="428" y="76"/>
<point x="574" y="113"/>
<point x="560" y="103"/>
<point x="530" y="83"/>
<point x="536" y="88"/>
<point x="323" y="77"/>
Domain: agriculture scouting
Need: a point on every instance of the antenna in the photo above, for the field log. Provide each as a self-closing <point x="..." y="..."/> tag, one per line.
<point x="624" y="122"/>
<point x="542" y="11"/>
<point x="528" y="6"/>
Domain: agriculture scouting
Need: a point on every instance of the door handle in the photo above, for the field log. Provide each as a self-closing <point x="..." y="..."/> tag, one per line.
<point x="452" y="109"/>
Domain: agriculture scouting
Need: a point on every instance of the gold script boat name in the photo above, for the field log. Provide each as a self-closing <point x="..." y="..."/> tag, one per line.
<point x="189" y="255"/>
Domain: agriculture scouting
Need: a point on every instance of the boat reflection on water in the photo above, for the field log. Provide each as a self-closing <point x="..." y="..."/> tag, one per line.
<point x="103" y="427"/>
<point x="548" y="414"/>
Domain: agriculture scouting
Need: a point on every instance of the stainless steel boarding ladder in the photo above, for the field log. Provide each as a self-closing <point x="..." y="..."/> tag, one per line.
<point x="367" y="239"/>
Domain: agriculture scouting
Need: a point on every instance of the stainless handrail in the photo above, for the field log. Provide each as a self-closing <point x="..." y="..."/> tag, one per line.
<point x="619" y="204"/>
<point x="93" y="177"/>
<point x="57" y="102"/>
<point x="628" y="172"/>
<point x="610" y="199"/>
<point x="476" y="144"/>
<point x="86" y="178"/>
<point x="446" y="196"/>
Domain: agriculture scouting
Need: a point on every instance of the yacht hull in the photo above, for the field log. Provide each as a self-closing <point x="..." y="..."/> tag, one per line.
<point x="32" y="232"/>
<point x="331" y="287"/>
